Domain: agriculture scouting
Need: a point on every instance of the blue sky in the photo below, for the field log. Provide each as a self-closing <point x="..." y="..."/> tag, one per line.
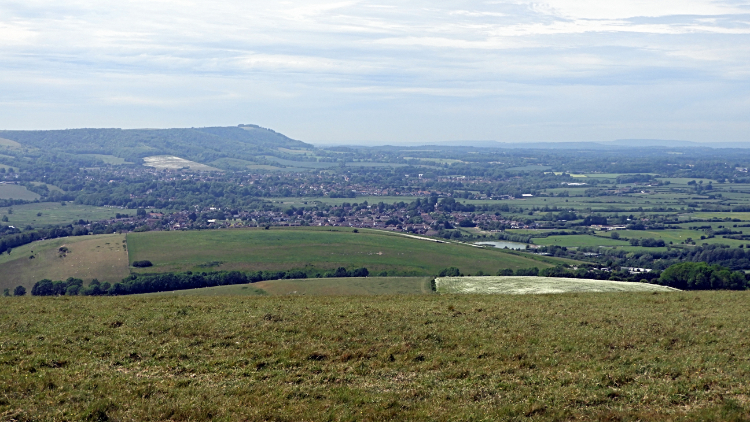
<point x="383" y="71"/>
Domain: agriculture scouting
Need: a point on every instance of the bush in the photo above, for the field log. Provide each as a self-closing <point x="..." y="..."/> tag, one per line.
<point x="19" y="291"/>
<point x="528" y="272"/>
<point x="505" y="272"/>
<point x="142" y="264"/>
<point x="449" y="272"/>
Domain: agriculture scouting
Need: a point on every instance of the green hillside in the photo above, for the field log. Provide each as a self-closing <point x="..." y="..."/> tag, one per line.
<point x="202" y="145"/>
<point x="316" y="249"/>
<point x="103" y="257"/>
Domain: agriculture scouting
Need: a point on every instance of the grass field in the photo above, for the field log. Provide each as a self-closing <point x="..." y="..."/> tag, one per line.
<point x="54" y="213"/>
<point x="609" y="357"/>
<point x="317" y="287"/>
<point x="321" y="249"/>
<point x="578" y="240"/>
<point x="107" y="159"/>
<point x="17" y="192"/>
<point x="539" y="285"/>
<point x="102" y="257"/>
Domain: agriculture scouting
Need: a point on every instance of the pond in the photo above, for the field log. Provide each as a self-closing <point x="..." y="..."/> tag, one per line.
<point x="502" y="244"/>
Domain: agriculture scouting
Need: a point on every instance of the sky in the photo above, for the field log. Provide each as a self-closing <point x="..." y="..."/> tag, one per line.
<point x="378" y="72"/>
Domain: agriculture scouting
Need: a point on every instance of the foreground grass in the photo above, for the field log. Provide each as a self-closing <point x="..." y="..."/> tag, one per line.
<point x="640" y="356"/>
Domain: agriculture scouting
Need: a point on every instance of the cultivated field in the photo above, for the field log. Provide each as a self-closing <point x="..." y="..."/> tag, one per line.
<point x="539" y="285"/>
<point x="103" y="257"/>
<point x="171" y="162"/>
<point x="316" y="249"/>
<point x="615" y="357"/>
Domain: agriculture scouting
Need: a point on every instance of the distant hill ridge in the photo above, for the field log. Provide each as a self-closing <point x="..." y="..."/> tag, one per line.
<point x="197" y="144"/>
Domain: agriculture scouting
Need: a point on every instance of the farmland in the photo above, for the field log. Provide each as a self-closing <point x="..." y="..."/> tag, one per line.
<point x="538" y="285"/>
<point x="625" y="356"/>
<point x="16" y="192"/>
<point x="87" y="257"/>
<point x="54" y="213"/>
<point x="316" y="249"/>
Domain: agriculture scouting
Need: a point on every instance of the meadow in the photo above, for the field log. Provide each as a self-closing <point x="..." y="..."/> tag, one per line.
<point x="87" y="257"/>
<point x="16" y="192"/>
<point x="316" y="249"/>
<point x="54" y="213"/>
<point x="606" y="356"/>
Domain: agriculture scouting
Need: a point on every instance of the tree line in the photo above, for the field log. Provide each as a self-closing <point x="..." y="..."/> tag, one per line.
<point x="152" y="283"/>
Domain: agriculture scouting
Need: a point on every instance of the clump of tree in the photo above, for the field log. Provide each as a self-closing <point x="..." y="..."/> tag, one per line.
<point x="142" y="264"/>
<point x="701" y="276"/>
<point x="343" y="272"/>
<point x="450" y="272"/>
<point x="70" y="287"/>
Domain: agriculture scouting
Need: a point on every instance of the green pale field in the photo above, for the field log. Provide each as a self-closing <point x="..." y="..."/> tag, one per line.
<point x="107" y="159"/>
<point x="607" y="356"/>
<point x="54" y="213"/>
<point x="539" y="285"/>
<point x="318" y="287"/>
<point x="578" y="240"/>
<point x="315" y="248"/>
<point x="102" y="257"/>
<point x="16" y="192"/>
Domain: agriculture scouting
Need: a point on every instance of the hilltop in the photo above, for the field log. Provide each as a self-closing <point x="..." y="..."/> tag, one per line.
<point x="202" y="145"/>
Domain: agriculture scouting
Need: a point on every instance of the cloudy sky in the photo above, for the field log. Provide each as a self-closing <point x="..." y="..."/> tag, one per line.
<point x="383" y="71"/>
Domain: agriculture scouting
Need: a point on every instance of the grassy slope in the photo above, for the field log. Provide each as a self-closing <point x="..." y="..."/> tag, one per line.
<point x="632" y="356"/>
<point x="282" y="249"/>
<point x="317" y="287"/>
<point x="539" y="285"/>
<point x="348" y="286"/>
<point x="101" y="257"/>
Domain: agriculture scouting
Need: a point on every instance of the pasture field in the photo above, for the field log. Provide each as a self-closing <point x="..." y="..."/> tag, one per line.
<point x="350" y="286"/>
<point x="576" y="240"/>
<point x="235" y="163"/>
<point x="608" y="356"/>
<point x="7" y="143"/>
<point x="539" y="285"/>
<point x="319" y="249"/>
<point x="107" y="159"/>
<point x="744" y="216"/>
<point x="102" y="256"/>
<point x="54" y="213"/>
<point x="17" y="192"/>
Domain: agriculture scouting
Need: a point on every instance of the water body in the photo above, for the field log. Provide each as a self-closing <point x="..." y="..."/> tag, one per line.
<point x="502" y="244"/>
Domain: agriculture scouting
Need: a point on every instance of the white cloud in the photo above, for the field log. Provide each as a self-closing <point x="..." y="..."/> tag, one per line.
<point x="480" y="60"/>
